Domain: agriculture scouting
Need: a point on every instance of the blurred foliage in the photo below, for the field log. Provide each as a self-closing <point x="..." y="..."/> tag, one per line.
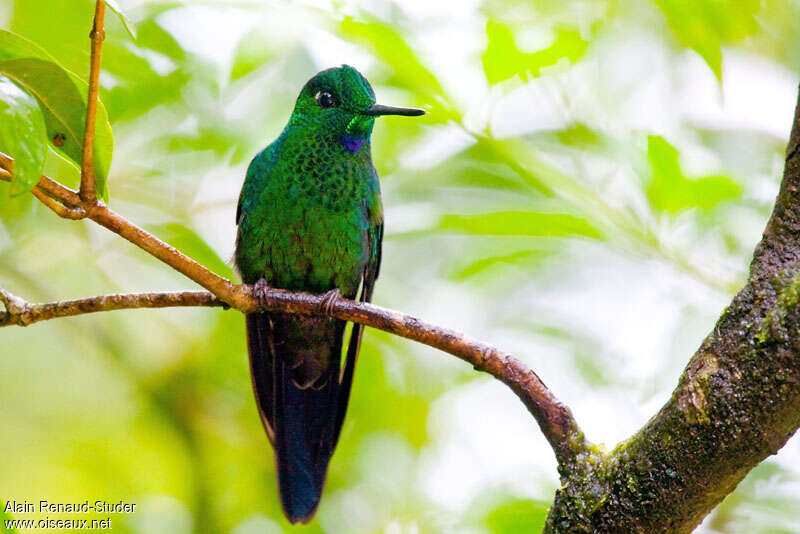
<point x="114" y="6"/>
<point x="21" y="132"/>
<point x="672" y="192"/>
<point x="520" y="223"/>
<point x="61" y="96"/>
<point x="521" y="515"/>
<point x="584" y="192"/>
<point x="706" y="26"/>
<point x="503" y="59"/>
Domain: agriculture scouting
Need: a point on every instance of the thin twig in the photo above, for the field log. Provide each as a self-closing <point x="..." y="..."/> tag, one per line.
<point x="47" y="191"/>
<point x="58" y="208"/>
<point x="53" y="189"/>
<point x="554" y="418"/>
<point x="26" y="313"/>
<point x="97" y="35"/>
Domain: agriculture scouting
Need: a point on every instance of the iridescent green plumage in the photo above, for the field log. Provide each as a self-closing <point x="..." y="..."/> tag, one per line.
<point x="310" y="219"/>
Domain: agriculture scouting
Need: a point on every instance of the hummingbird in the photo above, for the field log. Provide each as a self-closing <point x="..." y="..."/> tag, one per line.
<point x="310" y="218"/>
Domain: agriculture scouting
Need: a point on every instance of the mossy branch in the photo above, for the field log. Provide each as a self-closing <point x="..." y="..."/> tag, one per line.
<point x="737" y="402"/>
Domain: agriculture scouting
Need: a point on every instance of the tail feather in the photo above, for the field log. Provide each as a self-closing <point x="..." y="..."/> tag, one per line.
<point x="301" y="416"/>
<point x="303" y="443"/>
<point x="258" y="347"/>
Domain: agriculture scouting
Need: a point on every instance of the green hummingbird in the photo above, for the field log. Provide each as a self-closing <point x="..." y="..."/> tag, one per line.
<point x="310" y="219"/>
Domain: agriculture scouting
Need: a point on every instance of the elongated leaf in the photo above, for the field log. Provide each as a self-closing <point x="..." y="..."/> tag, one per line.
<point x="61" y="103"/>
<point x="114" y="6"/>
<point x="13" y="46"/>
<point x="23" y="135"/>
<point x="671" y="191"/>
<point x="61" y="96"/>
<point x="706" y="26"/>
<point x="523" y="223"/>
<point x="409" y="73"/>
<point x="390" y="46"/>
<point x="484" y="264"/>
<point x="503" y="59"/>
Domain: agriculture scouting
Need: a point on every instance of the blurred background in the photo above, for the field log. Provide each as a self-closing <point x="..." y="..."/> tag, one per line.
<point x="585" y="192"/>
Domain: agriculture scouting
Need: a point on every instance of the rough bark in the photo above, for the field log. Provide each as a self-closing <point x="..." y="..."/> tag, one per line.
<point x="737" y="402"/>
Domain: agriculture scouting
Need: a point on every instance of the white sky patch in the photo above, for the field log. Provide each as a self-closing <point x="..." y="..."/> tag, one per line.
<point x="327" y="50"/>
<point x="470" y="425"/>
<point x="161" y="64"/>
<point x="209" y="32"/>
<point x="757" y="94"/>
<point x="533" y="107"/>
<point x="435" y="146"/>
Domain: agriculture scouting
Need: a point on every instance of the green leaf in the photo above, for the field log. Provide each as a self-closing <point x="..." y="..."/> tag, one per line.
<point x="61" y="96"/>
<point x="484" y="264"/>
<point x="13" y="46"/>
<point x="580" y="135"/>
<point x="521" y="223"/>
<point x="503" y="59"/>
<point x="114" y="6"/>
<point x="706" y="25"/>
<point x="409" y="73"/>
<point x="23" y="135"/>
<point x="670" y="191"/>
<point x="252" y="52"/>
<point x="60" y="101"/>
<point x="190" y="243"/>
<point x="392" y="48"/>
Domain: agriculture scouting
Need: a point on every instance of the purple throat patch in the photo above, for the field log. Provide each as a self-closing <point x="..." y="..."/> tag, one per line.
<point x="352" y="143"/>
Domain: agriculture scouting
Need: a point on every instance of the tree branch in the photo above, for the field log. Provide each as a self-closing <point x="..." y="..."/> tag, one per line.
<point x="97" y="35"/>
<point x="22" y="313"/>
<point x="737" y="402"/>
<point x="59" y="209"/>
<point x="98" y="212"/>
<point x="554" y="418"/>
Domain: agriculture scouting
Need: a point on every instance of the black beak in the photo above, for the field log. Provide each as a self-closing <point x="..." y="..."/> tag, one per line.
<point x="378" y="109"/>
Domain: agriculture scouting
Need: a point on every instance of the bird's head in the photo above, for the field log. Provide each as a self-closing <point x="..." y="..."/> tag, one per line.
<point x="340" y="103"/>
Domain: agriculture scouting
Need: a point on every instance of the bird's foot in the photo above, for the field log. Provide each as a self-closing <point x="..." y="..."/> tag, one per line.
<point x="260" y="290"/>
<point x="329" y="300"/>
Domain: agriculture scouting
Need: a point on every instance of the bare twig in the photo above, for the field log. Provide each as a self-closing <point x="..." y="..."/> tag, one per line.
<point x="554" y="418"/>
<point x="59" y="209"/>
<point x="22" y="313"/>
<point x="97" y="35"/>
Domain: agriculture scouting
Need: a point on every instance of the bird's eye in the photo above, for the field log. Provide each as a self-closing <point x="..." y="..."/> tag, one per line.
<point x="326" y="99"/>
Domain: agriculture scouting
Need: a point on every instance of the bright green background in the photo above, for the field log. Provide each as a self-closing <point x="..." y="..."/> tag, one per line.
<point x="585" y="192"/>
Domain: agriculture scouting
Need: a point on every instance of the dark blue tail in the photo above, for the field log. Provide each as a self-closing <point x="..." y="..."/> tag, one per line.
<point x="304" y="441"/>
<point x="300" y="402"/>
